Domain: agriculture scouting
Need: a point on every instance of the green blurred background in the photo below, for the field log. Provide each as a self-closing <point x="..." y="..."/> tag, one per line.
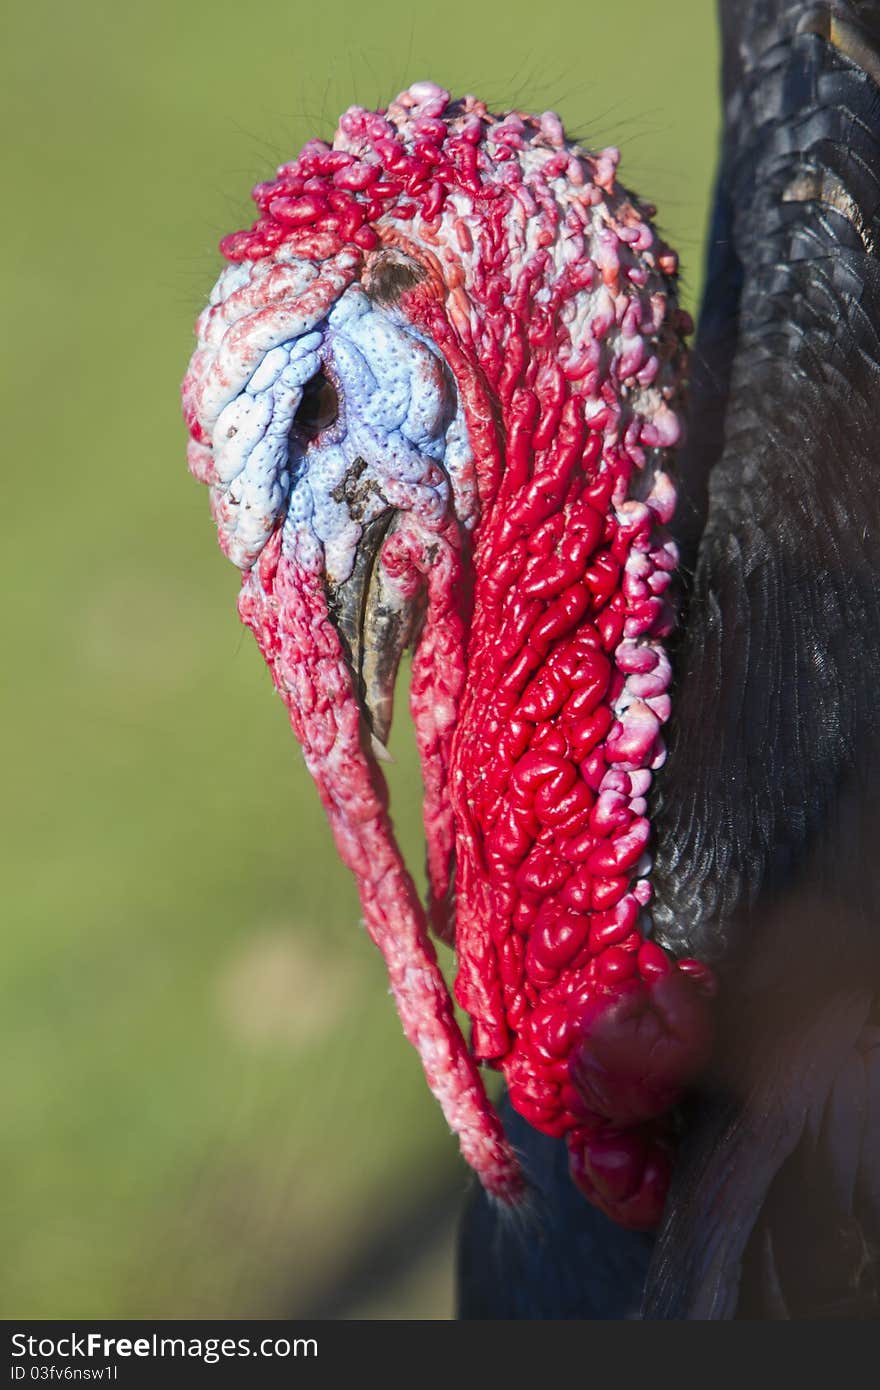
<point x="209" y="1109"/>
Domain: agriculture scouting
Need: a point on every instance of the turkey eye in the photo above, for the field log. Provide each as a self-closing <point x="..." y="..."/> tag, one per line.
<point x="318" y="408"/>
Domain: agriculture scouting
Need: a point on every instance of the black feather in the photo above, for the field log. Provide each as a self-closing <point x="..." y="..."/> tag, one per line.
<point x="767" y="813"/>
<point x="565" y="1260"/>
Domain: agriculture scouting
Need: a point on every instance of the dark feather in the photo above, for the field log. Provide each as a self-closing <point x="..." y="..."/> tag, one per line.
<point x="767" y="814"/>
<point x="563" y="1259"/>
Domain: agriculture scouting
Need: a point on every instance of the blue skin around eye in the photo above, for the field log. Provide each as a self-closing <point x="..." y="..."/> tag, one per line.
<point x="396" y="405"/>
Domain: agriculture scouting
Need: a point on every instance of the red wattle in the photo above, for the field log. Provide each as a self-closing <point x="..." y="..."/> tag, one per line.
<point x="639" y="1045"/>
<point x="624" y="1172"/>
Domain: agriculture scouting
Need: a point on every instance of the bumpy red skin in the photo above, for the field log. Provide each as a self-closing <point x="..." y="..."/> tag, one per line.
<point x="538" y="712"/>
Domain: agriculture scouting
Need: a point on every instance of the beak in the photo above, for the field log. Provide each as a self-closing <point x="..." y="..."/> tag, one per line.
<point x="376" y="625"/>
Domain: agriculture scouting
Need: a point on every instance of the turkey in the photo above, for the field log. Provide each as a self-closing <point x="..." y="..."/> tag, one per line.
<point x="435" y="397"/>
